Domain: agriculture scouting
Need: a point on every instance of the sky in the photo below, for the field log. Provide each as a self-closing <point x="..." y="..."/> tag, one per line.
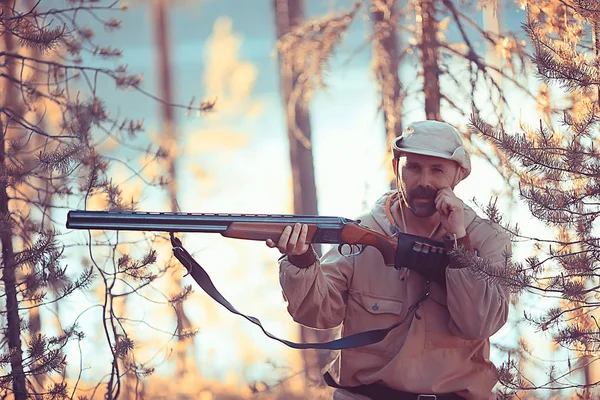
<point x="236" y="160"/>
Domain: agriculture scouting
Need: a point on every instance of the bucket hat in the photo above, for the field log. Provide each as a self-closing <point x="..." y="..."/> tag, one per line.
<point x="433" y="138"/>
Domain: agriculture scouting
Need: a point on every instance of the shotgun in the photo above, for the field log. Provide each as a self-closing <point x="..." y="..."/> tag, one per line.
<point x="321" y="229"/>
<point x="399" y="251"/>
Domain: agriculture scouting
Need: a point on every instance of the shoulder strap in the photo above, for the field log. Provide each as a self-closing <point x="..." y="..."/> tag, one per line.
<point x="357" y="340"/>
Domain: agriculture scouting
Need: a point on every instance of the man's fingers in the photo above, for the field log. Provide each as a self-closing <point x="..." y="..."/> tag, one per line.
<point x="439" y="206"/>
<point x="446" y="207"/>
<point x="446" y="201"/>
<point x="293" y="241"/>
<point x="302" y="238"/>
<point x="443" y="193"/>
<point x="443" y="205"/>
<point x="283" y="239"/>
<point x="303" y="234"/>
<point x="439" y="200"/>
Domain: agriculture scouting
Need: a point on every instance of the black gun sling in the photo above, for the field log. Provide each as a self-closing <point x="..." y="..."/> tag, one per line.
<point x="357" y="340"/>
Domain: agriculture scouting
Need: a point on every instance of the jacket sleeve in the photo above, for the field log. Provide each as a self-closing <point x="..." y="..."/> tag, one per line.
<point x="317" y="294"/>
<point x="479" y="304"/>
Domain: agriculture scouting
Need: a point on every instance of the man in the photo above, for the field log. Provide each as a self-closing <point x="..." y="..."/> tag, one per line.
<point x="443" y="349"/>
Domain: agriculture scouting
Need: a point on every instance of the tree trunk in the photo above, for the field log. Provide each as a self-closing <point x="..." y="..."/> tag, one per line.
<point x="166" y="91"/>
<point x="10" y="287"/>
<point x="288" y="15"/>
<point x="386" y="63"/>
<point x="592" y="369"/>
<point x="169" y="132"/>
<point x="492" y="21"/>
<point x="429" y="47"/>
<point x="43" y="196"/>
<point x="13" y="331"/>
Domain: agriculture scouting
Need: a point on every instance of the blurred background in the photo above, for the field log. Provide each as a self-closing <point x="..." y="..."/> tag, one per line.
<point x="276" y="107"/>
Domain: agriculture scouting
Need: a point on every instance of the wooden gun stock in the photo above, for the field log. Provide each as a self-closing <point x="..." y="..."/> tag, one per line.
<point x="361" y="235"/>
<point x="352" y="234"/>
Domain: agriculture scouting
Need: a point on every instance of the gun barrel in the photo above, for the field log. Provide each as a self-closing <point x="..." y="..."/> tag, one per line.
<point x="187" y="222"/>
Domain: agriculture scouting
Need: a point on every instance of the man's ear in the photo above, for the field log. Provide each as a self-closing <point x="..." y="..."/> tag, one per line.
<point x="460" y="175"/>
<point x="395" y="166"/>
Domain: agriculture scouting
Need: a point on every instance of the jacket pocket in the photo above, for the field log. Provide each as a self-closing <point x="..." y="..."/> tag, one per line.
<point x="376" y="304"/>
<point x="366" y="311"/>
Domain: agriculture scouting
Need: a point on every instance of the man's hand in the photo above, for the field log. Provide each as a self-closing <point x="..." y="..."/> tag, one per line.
<point x="452" y="212"/>
<point x="292" y="241"/>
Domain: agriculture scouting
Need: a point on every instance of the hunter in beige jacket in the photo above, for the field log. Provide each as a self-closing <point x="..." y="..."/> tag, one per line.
<point x="445" y="350"/>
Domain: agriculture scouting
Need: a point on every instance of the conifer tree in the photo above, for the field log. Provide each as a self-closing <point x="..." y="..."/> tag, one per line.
<point x="558" y="163"/>
<point x="445" y="67"/>
<point x="53" y="122"/>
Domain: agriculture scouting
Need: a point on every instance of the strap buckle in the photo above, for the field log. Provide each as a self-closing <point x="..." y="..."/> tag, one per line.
<point x="427" y="396"/>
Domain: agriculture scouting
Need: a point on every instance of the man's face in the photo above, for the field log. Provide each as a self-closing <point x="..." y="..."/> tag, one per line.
<point x="422" y="177"/>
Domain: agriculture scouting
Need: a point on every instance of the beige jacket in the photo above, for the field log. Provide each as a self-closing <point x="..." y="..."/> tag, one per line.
<point x="446" y="350"/>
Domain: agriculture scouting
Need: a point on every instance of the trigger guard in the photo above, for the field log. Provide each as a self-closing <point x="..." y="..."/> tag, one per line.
<point x="353" y="249"/>
<point x="341" y="249"/>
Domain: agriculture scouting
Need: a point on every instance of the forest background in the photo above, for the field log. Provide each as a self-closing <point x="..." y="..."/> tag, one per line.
<point x="273" y="107"/>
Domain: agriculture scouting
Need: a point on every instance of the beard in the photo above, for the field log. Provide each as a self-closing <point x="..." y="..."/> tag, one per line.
<point x="421" y="201"/>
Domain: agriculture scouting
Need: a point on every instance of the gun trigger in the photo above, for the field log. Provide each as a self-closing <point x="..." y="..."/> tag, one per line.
<point x="361" y="248"/>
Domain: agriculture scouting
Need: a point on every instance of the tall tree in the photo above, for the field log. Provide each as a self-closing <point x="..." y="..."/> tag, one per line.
<point x="427" y="32"/>
<point x="9" y="267"/>
<point x="387" y="56"/>
<point x="304" y="49"/>
<point x="169" y="139"/>
<point x="442" y="41"/>
<point x="57" y="157"/>
<point x="289" y="15"/>
<point x="559" y="164"/>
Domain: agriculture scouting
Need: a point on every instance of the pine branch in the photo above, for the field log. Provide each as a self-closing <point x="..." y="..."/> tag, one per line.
<point x="41" y="39"/>
<point x="121" y="79"/>
<point x="64" y="160"/>
<point x="180" y="297"/>
<point x="588" y="9"/>
<point x="309" y="48"/>
<point x="561" y="62"/>
<point x="541" y="154"/>
<point x="137" y="269"/>
<point x="507" y="275"/>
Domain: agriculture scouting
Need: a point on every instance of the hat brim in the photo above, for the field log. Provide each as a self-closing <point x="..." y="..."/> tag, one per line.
<point x="430" y="153"/>
<point x="426" y="153"/>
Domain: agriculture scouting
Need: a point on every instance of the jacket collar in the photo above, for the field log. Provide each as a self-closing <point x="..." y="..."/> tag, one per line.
<point x="381" y="212"/>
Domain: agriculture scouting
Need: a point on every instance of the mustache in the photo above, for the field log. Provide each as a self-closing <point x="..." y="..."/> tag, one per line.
<point x="422" y="193"/>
